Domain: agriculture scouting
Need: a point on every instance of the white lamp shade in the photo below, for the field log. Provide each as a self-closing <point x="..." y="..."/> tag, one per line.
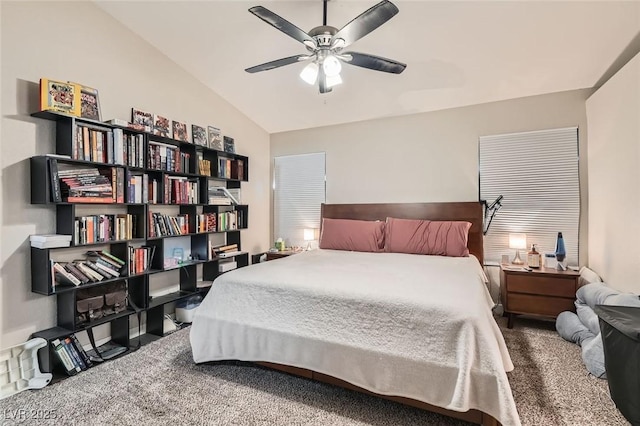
<point x="310" y="73"/>
<point x="333" y="80"/>
<point x="518" y="241"/>
<point x="309" y="234"/>
<point x="331" y="66"/>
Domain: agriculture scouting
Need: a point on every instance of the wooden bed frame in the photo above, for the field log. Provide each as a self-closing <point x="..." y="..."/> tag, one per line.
<point x="460" y="211"/>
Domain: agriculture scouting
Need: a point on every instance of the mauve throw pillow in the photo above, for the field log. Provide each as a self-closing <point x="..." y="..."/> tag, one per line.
<point x="442" y="238"/>
<point x="352" y="235"/>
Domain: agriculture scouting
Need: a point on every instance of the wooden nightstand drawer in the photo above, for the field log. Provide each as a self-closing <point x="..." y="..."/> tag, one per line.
<point x="541" y="285"/>
<point x="538" y="305"/>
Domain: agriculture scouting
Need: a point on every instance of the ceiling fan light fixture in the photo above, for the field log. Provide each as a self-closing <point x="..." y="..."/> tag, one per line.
<point x="331" y="66"/>
<point x="310" y="73"/>
<point x="333" y="80"/>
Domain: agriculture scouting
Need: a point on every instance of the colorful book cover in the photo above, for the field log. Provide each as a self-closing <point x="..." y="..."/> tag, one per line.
<point x="215" y="138"/>
<point x="199" y="135"/>
<point x="89" y="102"/>
<point x="142" y="118"/>
<point x="180" y="131"/>
<point x="229" y="144"/>
<point x="161" y="126"/>
<point x="59" y="96"/>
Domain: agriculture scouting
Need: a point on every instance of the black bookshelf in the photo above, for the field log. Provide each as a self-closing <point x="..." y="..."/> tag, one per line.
<point x="227" y="169"/>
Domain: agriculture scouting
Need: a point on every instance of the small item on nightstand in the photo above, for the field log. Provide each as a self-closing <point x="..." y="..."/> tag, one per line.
<point x="533" y="258"/>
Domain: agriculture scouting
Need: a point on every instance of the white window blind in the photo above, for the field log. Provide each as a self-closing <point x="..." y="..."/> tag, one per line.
<point x="537" y="173"/>
<point x="298" y="192"/>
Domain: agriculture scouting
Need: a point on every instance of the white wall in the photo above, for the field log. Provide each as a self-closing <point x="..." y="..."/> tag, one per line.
<point x="77" y="41"/>
<point x="613" y="114"/>
<point x="432" y="156"/>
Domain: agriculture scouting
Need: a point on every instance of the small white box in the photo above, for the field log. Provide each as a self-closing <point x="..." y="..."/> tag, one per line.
<point x="550" y="261"/>
<point x="227" y="266"/>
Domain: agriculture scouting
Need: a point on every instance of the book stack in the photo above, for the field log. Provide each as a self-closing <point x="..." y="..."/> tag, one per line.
<point x="162" y="225"/>
<point x="86" y="185"/>
<point x="206" y="222"/>
<point x="71" y="354"/>
<point x="221" y="251"/>
<point x="44" y="241"/>
<point x="140" y="259"/>
<point x="99" y="266"/>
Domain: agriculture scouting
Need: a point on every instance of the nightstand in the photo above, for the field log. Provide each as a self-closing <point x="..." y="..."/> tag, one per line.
<point x="543" y="292"/>
<point x="272" y="255"/>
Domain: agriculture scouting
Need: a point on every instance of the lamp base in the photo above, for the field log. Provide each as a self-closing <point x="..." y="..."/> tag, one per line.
<point x="308" y="246"/>
<point x="516" y="260"/>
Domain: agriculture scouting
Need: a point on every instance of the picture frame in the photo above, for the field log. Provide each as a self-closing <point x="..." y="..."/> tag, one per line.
<point x="199" y="135"/>
<point x="60" y="96"/>
<point x="89" y="103"/>
<point x="161" y="126"/>
<point x="215" y="138"/>
<point x="229" y="145"/>
<point x="142" y="118"/>
<point x="180" y="131"/>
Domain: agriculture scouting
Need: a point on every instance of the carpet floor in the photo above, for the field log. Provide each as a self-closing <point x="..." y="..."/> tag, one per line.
<point x="160" y="384"/>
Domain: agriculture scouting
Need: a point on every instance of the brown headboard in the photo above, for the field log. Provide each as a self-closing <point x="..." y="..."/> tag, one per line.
<point x="467" y="211"/>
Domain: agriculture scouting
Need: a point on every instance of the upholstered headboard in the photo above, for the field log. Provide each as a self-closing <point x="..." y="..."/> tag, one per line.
<point x="463" y="211"/>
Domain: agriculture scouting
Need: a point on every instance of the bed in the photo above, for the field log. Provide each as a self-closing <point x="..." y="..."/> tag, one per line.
<point x="413" y="328"/>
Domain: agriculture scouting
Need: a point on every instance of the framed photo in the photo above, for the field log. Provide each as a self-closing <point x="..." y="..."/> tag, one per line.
<point x="180" y="131"/>
<point x="60" y="96"/>
<point x="161" y="126"/>
<point x="89" y="103"/>
<point x="199" y="135"/>
<point x="215" y="138"/>
<point x="142" y="118"/>
<point x="229" y="145"/>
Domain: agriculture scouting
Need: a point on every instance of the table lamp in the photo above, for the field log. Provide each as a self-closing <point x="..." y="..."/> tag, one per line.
<point x="517" y="242"/>
<point x="309" y="235"/>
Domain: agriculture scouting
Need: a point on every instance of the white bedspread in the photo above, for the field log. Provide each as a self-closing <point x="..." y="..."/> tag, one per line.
<point x="407" y="325"/>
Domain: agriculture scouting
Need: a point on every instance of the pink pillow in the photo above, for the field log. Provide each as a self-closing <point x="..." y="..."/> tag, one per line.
<point x="352" y="235"/>
<point x="442" y="238"/>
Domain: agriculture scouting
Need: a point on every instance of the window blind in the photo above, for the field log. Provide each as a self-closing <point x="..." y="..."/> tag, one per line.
<point x="537" y="173"/>
<point x="298" y="192"/>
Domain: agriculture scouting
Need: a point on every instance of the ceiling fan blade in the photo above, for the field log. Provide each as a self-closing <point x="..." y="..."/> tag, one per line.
<point x="366" y="22"/>
<point x="277" y="63"/>
<point x="283" y="25"/>
<point x="372" y="62"/>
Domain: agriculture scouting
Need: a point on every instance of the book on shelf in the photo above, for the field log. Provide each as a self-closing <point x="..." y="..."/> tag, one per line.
<point x="73" y="351"/>
<point x="180" y="131"/>
<point x="81" y="351"/>
<point x="215" y="138"/>
<point x="76" y="272"/>
<point x="226" y="254"/>
<point x="56" y="194"/>
<point x="60" y="96"/>
<point x="142" y="118"/>
<point x="161" y="126"/>
<point x="60" y="240"/>
<point x="89" y="103"/>
<point x="199" y="135"/>
<point x="62" y="276"/>
<point x="65" y="358"/>
<point x="140" y="259"/>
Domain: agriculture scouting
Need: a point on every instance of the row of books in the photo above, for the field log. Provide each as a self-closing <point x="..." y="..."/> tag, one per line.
<point x="162" y="225"/>
<point x="204" y="167"/>
<point x="230" y="169"/>
<point x="230" y="221"/>
<point x="100" y="265"/>
<point x="104" y="227"/>
<point x="111" y="146"/>
<point x="182" y="190"/>
<point x="86" y="184"/>
<point x="71" y="354"/>
<point x="169" y="158"/>
<point x="140" y="259"/>
<point x="206" y="222"/>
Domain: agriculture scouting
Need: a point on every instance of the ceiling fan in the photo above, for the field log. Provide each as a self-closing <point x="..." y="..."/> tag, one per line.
<point x="325" y="44"/>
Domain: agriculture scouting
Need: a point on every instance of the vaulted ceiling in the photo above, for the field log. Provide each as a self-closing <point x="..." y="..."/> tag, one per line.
<point x="457" y="53"/>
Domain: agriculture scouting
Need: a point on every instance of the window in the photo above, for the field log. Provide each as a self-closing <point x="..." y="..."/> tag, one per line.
<point x="298" y="192"/>
<point x="537" y="173"/>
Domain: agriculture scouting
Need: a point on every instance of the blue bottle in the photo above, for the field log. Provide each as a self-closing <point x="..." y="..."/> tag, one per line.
<point x="561" y="252"/>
